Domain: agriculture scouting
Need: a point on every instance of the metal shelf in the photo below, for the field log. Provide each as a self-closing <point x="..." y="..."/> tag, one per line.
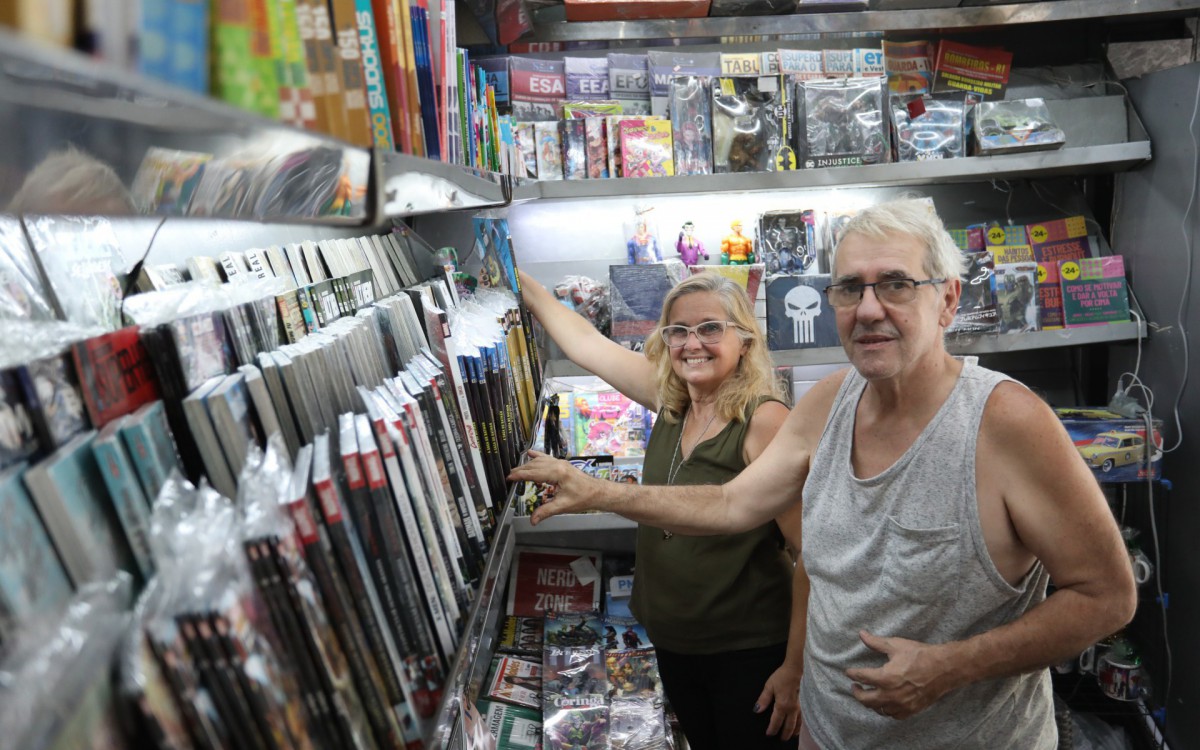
<point x="588" y="522"/>
<point x="411" y="185"/>
<point x="991" y="343"/>
<point x="51" y="98"/>
<point x="878" y="20"/>
<point x="477" y="643"/>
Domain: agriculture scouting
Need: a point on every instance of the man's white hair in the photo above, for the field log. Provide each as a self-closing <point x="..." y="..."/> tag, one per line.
<point x="72" y="181"/>
<point x="911" y="218"/>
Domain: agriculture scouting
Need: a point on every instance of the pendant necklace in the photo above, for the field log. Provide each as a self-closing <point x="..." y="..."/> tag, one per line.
<point x="673" y="468"/>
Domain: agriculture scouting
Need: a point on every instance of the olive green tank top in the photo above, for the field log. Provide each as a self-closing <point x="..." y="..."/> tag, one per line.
<point x="707" y="594"/>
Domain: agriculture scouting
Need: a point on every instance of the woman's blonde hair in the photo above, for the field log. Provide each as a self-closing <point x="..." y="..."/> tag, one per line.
<point x="755" y="372"/>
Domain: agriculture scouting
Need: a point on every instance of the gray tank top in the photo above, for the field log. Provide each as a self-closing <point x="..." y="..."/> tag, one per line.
<point x="902" y="554"/>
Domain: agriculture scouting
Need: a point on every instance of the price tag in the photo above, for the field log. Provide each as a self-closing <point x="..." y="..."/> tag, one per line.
<point x="996" y="236"/>
<point x="1070" y="270"/>
<point x="1038" y="234"/>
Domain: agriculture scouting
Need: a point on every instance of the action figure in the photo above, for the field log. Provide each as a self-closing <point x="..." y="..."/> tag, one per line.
<point x="737" y="249"/>
<point x="690" y="248"/>
<point x="642" y="247"/>
<point x="630" y="638"/>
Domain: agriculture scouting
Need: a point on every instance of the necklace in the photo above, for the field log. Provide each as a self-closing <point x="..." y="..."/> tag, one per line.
<point x="673" y="468"/>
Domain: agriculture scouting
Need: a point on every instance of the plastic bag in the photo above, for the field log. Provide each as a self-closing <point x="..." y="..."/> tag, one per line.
<point x="82" y="258"/>
<point x="748" y="124"/>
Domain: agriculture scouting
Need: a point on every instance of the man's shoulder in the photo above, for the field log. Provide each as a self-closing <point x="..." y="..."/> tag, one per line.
<point x="812" y="410"/>
<point x="1013" y="410"/>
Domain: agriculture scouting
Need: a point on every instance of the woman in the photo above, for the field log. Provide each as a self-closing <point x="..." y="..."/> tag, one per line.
<point x="719" y="610"/>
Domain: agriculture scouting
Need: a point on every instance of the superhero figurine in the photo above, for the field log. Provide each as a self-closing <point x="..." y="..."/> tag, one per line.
<point x="689" y="247"/>
<point x="737" y="249"/>
<point x="642" y="247"/>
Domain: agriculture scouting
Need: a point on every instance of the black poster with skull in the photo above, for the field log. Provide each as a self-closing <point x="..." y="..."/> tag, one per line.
<point x="798" y="313"/>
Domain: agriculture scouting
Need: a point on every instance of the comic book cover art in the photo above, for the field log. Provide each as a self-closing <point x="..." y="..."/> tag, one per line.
<point x="1016" y="297"/>
<point x="523" y="134"/>
<point x="584" y="728"/>
<point x="633" y="674"/>
<point x="630" y="473"/>
<point x="513" y="727"/>
<point x="573" y="137"/>
<point x="597" y="148"/>
<point x="573" y="673"/>
<point x="549" y="151"/>
<point x="18" y="434"/>
<point x="691" y="122"/>
<point x="646" y="149"/>
<point x="573" y="630"/>
<point x="623" y="633"/>
<point x="607" y="423"/>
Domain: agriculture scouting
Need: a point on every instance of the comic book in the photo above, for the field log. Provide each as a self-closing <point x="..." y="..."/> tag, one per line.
<point x="573" y="630"/>
<point x="1049" y="296"/>
<point x="691" y="124"/>
<point x="1016" y="297"/>
<point x="522" y="636"/>
<point x="624" y="633"/>
<point x="633" y="673"/>
<point x="512" y="727"/>
<point x="572" y="673"/>
<point x="549" y="150"/>
<point x="32" y="579"/>
<point x="576" y="728"/>
<point x="573" y="135"/>
<point x="607" y="423"/>
<point x="646" y="149"/>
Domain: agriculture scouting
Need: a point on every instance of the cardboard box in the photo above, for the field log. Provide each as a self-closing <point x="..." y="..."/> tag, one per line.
<point x="623" y="10"/>
<point x="1113" y="446"/>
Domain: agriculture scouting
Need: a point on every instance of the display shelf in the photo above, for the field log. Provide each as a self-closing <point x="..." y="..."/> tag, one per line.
<point x="1122" y="144"/>
<point x="51" y="97"/>
<point x="990" y="343"/>
<point x="941" y="19"/>
<point x="586" y="522"/>
<point x="411" y="185"/>
<point x="477" y="643"/>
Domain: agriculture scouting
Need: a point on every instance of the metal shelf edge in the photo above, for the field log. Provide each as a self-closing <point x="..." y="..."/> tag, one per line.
<point x="871" y="20"/>
<point x="581" y="522"/>
<point x="1110" y="157"/>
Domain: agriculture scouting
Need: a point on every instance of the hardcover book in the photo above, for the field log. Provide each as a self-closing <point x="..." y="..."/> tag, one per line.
<point x="1094" y="291"/>
<point x="516" y="681"/>
<point x="128" y="499"/>
<point x="151" y="447"/>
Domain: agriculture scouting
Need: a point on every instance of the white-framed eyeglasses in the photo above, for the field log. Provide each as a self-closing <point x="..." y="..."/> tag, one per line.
<point x="708" y="332"/>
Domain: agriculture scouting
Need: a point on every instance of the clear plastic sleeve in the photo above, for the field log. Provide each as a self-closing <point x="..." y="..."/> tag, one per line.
<point x="691" y="121"/>
<point x="929" y="127"/>
<point x="1010" y="126"/>
<point x="747" y="123"/>
<point x="842" y="122"/>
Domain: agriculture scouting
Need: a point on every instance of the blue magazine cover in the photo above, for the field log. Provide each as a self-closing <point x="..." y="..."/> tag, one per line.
<point x="32" y="579"/>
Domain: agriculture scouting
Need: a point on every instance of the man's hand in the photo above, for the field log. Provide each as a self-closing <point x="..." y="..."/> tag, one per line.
<point x="572" y="490"/>
<point x="913" y="679"/>
<point x="782" y="688"/>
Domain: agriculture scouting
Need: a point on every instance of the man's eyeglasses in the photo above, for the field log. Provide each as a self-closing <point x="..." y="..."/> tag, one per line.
<point x="891" y="291"/>
<point x="708" y="332"/>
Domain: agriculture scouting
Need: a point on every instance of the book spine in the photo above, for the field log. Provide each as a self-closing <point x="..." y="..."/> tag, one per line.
<point x="345" y="27"/>
<point x="391" y="42"/>
<point x="330" y="69"/>
<point x="308" y="103"/>
<point x="405" y="19"/>
<point x="373" y="76"/>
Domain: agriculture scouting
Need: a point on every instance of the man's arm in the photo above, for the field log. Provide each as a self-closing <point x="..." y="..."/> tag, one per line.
<point x="761" y="492"/>
<point x="1058" y="514"/>
<point x="626" y="370"/>
<point x="784" y="684"/>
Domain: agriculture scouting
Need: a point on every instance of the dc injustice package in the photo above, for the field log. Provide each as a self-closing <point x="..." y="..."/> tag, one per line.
<point x="841" y="122"/>
<point x="749" y="124"/>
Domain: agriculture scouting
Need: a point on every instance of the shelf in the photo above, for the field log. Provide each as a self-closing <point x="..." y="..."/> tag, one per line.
<point x="411" y="185"/>
<point x="991" y="343"/>
<point x="476" y="645"/>
<point x="941" y="19"/>
<point x="51" y="98"/>
<point x="1121" y="144"/>
<point x="587" y="522"/>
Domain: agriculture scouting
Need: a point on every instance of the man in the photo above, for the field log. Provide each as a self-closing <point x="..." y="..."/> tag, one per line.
<point x="938" y="498"/>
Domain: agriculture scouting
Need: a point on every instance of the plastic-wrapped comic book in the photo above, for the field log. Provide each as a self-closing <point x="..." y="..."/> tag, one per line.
<point x="516" y="681"/>
<point x="606" y="423"/>
<point x="977" y="304"/>
<point x="1016" y="297"/>
<point x="691" y="123"/>
<point x="646" y="149"/>
<point x="573" y="630"/>
<point x="624" y="633"/>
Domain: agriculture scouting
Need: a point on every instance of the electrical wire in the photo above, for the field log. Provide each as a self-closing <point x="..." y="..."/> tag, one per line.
<point x="1188" y="240"/>
<point x="1158" y="575"/>
<point x="131" y="279"/>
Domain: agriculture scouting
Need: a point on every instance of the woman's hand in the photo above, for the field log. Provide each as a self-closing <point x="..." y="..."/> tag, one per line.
<point x="782" y="689"/>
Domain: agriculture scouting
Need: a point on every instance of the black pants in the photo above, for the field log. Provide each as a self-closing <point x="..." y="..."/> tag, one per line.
<point x="714" y="694"/>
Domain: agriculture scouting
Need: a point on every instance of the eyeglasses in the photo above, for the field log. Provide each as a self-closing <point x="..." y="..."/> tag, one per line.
<point x="891" y="291"/>
<point x="708" y="332"/>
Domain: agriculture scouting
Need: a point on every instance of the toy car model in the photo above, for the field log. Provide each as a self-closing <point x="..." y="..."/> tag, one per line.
<point x="1113" y="448"/>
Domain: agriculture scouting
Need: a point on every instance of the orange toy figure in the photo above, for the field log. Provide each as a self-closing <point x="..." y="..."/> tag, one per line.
<point x="737" y="249"/>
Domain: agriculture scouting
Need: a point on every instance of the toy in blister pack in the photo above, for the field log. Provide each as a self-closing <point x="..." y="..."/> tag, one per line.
<point x="1006" y="127"/>
<point x="843" y="122"/>
<point x="691" y="120"/>
<point x="574" y="149"/>
<point x="929" y="127"/>
<point x="748" y="124"/>
<point x="787" y="240"/>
